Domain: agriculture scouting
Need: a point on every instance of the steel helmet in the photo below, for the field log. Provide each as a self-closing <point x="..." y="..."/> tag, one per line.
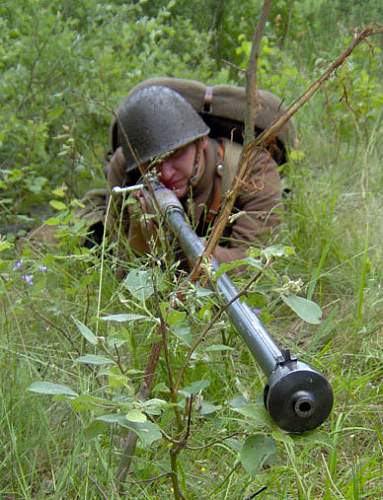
<point x="154" y="121"/>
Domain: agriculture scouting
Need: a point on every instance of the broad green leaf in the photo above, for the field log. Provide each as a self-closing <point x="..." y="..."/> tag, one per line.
<point x="86" y="332"/>
<point x="195" y="387"/>
<point x="86" y="402"/>
<point x="306" y="309"/>
<point x="136" y="416"/>
<point x="203" y="292"/>
<point x="5" y="245"/>
<point x="113" y="418"/>
<point x="234" y="444"/>
<point x="277" y="251"/>
<point x="183" y="333"/>
<point x="256" y="412"/>
<point x="94" y="429"/>
<point x="94" y="359"/>
<point x="238" y="401"/>
<point x="255" y="452"/>
<point x="174" y="317"/>
<point x="117" y="380"/>
<point x="218" y="347"/>
<point x="59" y="192"/>
<point x="177" y="320"/>
<point x="314" y="438"/>
<point x="122" y="318"/>
<point x="248" y="262"/>
<point x="57" y="205"/>
<point x="154" y="406"/>
<point x="52" y="221"/>
<point x="208" y="408"/>
<point x="139" y="283"/>
<point x="51" y="389"/>
<point x="148" y="432"/>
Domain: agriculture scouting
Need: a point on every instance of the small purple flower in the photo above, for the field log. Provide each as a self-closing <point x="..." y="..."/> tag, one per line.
<point x="28" y="278"/>
<point x="256" y="311"/>
<point x="18" y="265"/>
<point x="43" y="269"/>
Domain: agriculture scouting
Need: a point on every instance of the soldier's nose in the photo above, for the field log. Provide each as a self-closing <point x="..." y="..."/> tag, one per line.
<point x="167" y="170"/>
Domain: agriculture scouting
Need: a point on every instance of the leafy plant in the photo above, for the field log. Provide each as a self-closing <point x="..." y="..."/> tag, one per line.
<point x="80" y="340"/>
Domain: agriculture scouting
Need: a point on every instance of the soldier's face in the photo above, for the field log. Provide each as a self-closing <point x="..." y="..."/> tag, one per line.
<point x="177" y="169"/>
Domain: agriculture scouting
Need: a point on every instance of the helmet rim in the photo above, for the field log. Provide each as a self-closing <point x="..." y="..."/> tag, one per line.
<point x="155" y="121"/>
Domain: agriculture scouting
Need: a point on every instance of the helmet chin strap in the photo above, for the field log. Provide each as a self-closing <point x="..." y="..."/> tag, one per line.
<point x="198" y="167"/>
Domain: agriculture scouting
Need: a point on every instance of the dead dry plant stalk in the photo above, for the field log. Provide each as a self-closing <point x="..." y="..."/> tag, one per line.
<point x="252" y="150"/>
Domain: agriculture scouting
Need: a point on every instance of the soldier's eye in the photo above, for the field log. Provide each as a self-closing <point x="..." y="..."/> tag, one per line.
<point x="179" y="152"/>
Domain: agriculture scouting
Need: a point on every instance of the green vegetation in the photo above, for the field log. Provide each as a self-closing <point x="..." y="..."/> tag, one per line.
<point x="64" y="67"/>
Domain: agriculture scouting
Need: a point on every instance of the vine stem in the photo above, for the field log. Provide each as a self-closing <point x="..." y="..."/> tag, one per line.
<point x="177" y="448"/>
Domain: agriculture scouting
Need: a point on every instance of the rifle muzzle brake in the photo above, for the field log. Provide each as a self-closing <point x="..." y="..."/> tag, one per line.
<point x="297" y="397"/>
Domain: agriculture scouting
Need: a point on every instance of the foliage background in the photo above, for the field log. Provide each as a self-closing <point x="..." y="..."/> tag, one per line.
<point x="64" y="67"/>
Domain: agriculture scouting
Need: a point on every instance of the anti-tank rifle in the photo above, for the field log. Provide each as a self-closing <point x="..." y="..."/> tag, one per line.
<point x="297" y="397"/>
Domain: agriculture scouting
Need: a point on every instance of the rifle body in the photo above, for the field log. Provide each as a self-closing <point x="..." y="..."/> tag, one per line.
<point x="297" y="396"/>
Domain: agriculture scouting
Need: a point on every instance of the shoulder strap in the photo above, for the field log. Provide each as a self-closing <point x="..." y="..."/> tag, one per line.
<point x="233" y="152"/>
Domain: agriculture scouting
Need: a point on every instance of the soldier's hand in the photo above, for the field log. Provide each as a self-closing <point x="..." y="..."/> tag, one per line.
<point x="143" y="230"/>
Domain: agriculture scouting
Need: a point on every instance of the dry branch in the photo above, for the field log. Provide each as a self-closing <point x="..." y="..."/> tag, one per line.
<point x="252" y="150"/>
<point x="251" y="106"/>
